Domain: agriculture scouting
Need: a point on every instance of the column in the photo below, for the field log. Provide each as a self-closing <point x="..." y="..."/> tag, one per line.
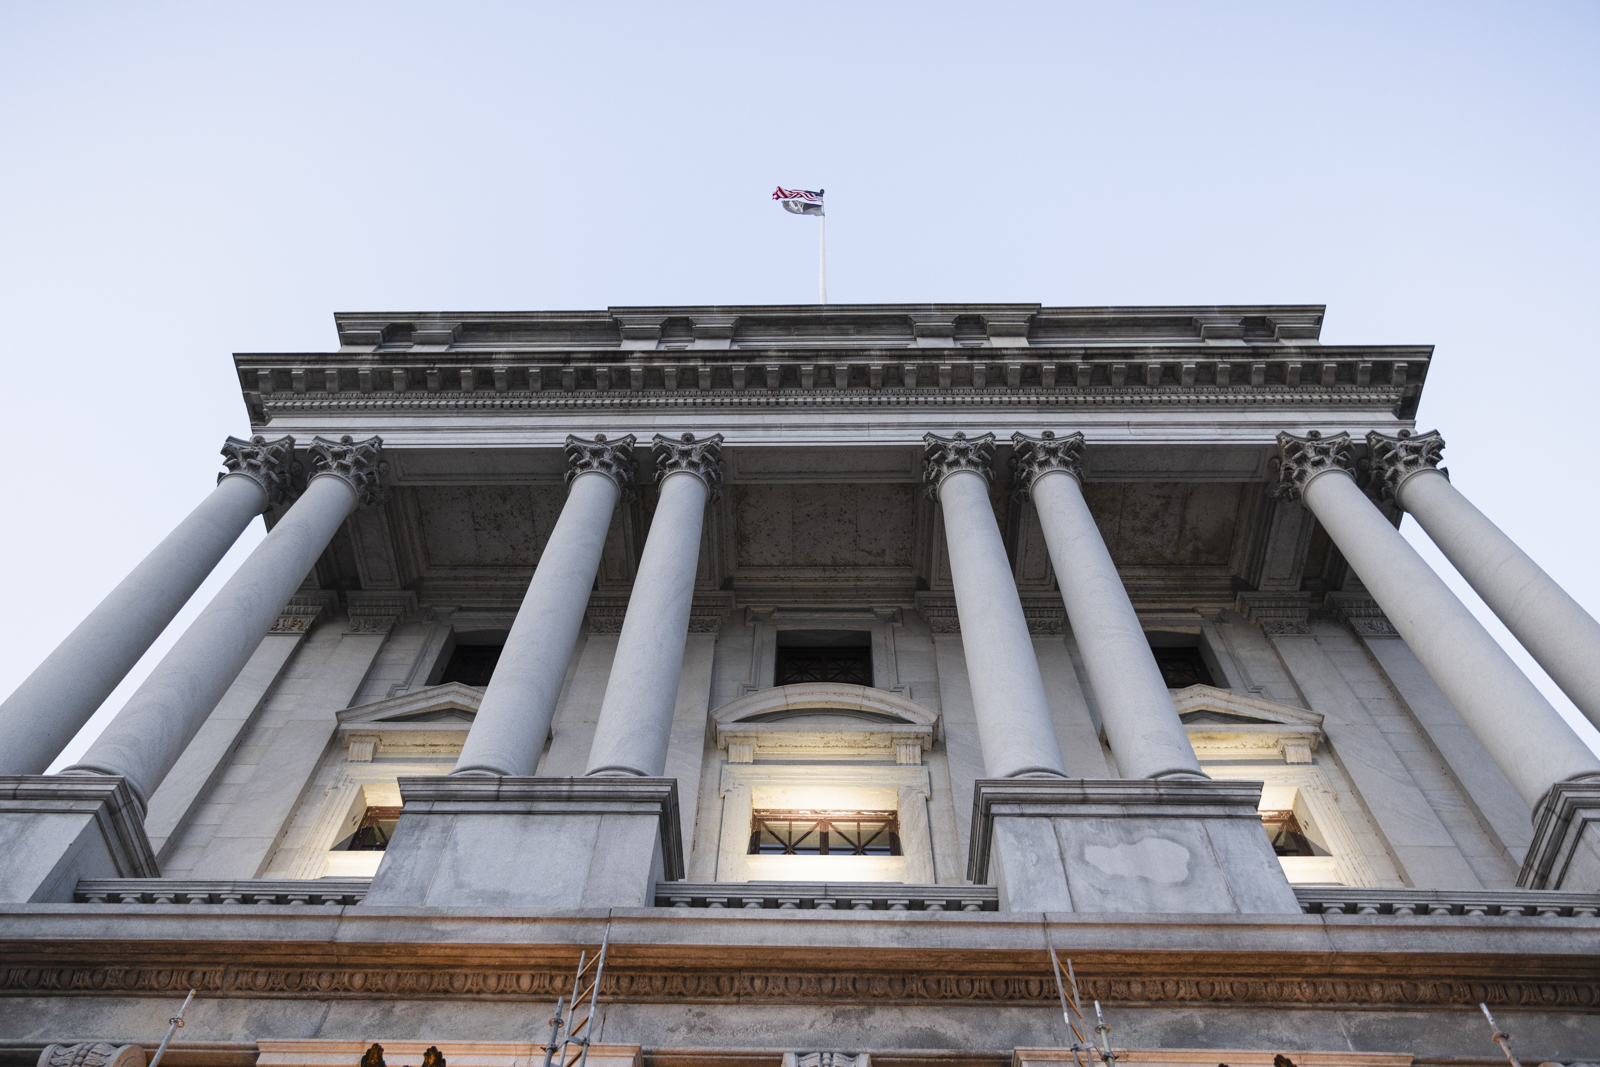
<point x="635" y="725"/>
<point x="153" y="728"/>
<point x="1521" y="731"/>
<point x="1014" y="727"/>
<point x="1141" y="724"/>
<point x="1558" y="633"/>
<point x="51" y="706"/>
<point x="509" y="731"/>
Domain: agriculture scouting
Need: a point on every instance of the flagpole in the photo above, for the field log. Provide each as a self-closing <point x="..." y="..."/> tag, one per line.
<point x="822" y="261"/>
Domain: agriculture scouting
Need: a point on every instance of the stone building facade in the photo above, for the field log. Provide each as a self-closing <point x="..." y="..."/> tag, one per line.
<point x="833" y="666"/>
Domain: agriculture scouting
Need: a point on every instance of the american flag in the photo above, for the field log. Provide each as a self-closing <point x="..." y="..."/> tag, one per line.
<point x="800" y="201"/>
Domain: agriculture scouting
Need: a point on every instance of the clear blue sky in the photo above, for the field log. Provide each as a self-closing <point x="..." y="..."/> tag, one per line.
<point x="181" y="181"/>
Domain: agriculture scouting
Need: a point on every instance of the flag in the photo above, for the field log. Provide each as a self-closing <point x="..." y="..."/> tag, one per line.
<point x="800" y="201"/>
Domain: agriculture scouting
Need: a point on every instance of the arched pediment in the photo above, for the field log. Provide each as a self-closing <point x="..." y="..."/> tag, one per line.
<point x="821" y="702"/>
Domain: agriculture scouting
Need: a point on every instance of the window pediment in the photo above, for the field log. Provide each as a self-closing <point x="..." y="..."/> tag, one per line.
<point x="1224" y="725"/>
<point x="824" y="720"/>
<point x="431" y="720"/>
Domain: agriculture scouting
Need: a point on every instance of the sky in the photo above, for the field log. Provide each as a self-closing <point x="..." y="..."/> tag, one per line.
<point x="182" y="181"/>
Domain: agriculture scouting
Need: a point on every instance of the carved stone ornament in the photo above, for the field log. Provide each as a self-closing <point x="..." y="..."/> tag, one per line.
<point x="360" y="463"/>
<point x="614" y="459"/>
<point x="268" y="463"/>
<point x="377" y="613"/>
<point x="1303" y="458"/>
<point x="92" y="1054"/>
<point x="1361" y="613"/>
<point x="1033" y="456"/>
<point x="302" y="612"/>
<point x="703" y="459"/>
<point x="826" y="1059"/>
<point x="1394" y="459"/>
<point x="946" y="455"/>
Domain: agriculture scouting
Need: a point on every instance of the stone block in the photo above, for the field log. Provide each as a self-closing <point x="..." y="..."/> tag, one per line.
<point x="486" y="841"/>
<point x="56" y="829"/>
<point x="1565" y="853"/>
<point x="1126" y="845"/>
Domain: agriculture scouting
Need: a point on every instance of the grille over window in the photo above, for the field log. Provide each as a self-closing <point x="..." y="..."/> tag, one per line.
<point x="471" y="665"/>
<point x="1182" y="667"/>
<point x="853" y="665"/>
<point x="377" y="826"/>
<point x="824" y="833"/>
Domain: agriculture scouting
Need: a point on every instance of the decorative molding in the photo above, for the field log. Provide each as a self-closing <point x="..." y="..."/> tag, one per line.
<point x="359" y="463"/>
<point x="1394" y="459"/>
<point x="606" y="614"/>
<point x="1301" y="459"/>
<point x="699" y="458"/>
<point x="827" y="1059"/>
<point x="283" y="891"/>
<point x="939" y="612"/>
<point x="1046" y="616"/>
<point x="1361" y="613"/>
<point x="1277" y="613"/>
<point x="1566" y="837"/>
<point x="227" y="977"/>
<point x="270" y="464"/>
<point x="946" y="455"/>
<point x="614" y="459"/>
<point x="707" y="612"/>
<point x="1033" y="456"/>
<point x="302" y="612"/>
<point x="377" y="613"/>
<point x="92" y="1054"/>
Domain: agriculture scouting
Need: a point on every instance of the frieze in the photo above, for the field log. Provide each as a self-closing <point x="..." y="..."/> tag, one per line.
<point x="377" y="613"/>
<point x="1277" y="613"/>
<point x="302" y="612"/>
<point x="787" y="986"/>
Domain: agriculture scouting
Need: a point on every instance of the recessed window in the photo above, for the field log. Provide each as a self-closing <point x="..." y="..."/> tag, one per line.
<point x="1182" y="667"/>
<point x="824" y="833"/>
<point x="471" y="665"/>
<point x="824" y="656"/>
<point x="377" y="827"/>
<point x="1284" y="831"/>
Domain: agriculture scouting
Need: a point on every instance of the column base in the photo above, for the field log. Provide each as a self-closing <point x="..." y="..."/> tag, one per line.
<point x="483" y="841"/>
<point x="1565" y="853"/>
<point x="1126" y="845"/>
<point x="58" y="828"/>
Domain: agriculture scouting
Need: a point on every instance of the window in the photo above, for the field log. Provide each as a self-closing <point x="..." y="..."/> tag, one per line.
<point x="377" y="826"/>
<point x="1182" y="667"/>
<point x="471" y="665"/>
<point x="1283" y="829"/>
<point x="824" y="656"/>
<point x="824" y="833"/>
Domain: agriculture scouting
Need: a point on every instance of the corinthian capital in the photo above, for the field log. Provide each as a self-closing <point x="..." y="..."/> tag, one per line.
<point x="1033" y="456"/>
<point x="703" y="459"/>
<point x="1394" y="459"/>
<point x="359" y="463"/>
<point x="267" y="463"/>
<point x="614" y="459"/>
<point x="1303" y="458"/>
<point x="946" y="455"/>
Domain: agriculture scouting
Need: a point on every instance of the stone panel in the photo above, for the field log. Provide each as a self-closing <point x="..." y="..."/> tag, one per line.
<point x="1166" y="523"/>
<point x="824" y="525"/>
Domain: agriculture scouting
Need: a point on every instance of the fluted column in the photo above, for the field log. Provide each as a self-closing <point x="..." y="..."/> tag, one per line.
<point x="51" y="706"/>
<point x="1014" y="727"/>
<point x="1141" y="723"/>
<point x="153" y="728"/>
<point x="635" y="726"/>
<point x="1558" y="633"/>
<point x="508" y="732"/>
<point x="1516" y="725"/>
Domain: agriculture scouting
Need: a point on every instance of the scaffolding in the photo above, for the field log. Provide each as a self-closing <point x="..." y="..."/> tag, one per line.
<point x="569" y="1031"/>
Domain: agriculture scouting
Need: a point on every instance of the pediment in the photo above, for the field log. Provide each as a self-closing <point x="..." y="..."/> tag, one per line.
<point x="439" y="706"/>
<point x="820" y="704"/>
<point x="1206" y="705"/>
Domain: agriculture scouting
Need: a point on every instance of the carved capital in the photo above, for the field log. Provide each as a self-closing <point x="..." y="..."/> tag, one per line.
<point x="359" y="463"/>
<point x="1361" y="613"/>
<point x="614" y="459"/>
<point x="703" y="459"/>
<point x="377" y="613"/>
<point x="946" y="455"/>
<point x="1277" y="613"/>
<point x="302" y="612"/>
<point x="268" y="463"/>
<point x="1394" y="459"/>
<point x="1033" y="456"/>
<point x="1301" y="459"/>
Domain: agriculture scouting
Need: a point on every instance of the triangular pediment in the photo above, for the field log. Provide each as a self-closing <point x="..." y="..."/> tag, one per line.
<point x="437" y="704"/>
<point x="1206" y="705"/>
